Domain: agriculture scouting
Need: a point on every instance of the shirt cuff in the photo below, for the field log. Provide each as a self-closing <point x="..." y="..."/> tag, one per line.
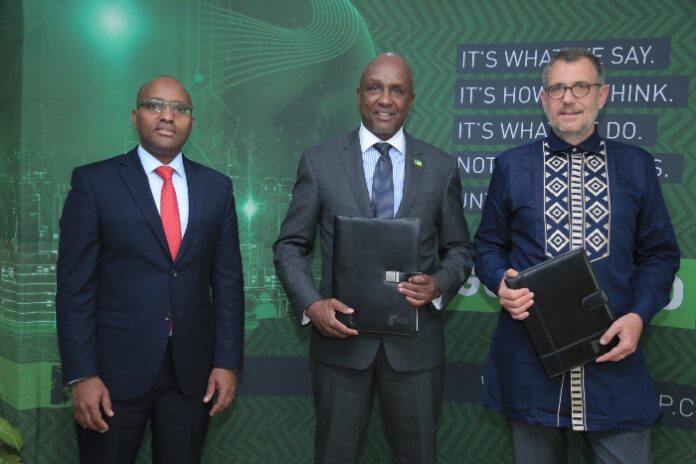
<point x="437" y="302"/>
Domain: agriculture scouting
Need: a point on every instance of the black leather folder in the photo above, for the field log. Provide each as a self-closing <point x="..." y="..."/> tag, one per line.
<point x="370" y="257"/>
<point x="570" y="311"/>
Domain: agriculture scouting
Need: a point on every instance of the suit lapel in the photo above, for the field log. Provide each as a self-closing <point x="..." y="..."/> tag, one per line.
<point x="351" y="157"/>
<point x="413" y="168"/>
<point x="134" y="176"/>
<point x="196" y="194"/>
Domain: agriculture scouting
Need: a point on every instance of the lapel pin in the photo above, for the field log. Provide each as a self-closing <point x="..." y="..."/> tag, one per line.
<point x="418" y="163"/>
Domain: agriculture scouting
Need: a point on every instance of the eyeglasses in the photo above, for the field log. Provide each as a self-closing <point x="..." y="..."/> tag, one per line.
<point x="157" y="105"/>
<point x="579" y="90"/>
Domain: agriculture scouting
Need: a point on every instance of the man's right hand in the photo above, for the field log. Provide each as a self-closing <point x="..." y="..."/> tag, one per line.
<point x="323" y="315"/>
<point x="515" y="302"/>
<point x="89" y="397"/>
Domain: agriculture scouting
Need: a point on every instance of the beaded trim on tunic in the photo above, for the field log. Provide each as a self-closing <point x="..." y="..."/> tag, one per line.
<point x="576" y="214"/>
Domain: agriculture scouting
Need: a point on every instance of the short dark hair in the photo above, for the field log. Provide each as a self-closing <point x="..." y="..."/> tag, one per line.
<point x="570" y="55"/>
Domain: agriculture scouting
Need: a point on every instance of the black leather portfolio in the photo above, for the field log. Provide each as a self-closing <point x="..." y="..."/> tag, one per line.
<point x="370" y="257"/>
<point x="570" y="311"/>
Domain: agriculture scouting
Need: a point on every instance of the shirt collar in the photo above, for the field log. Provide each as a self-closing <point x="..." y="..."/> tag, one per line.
<point x="367" y="139"/>
<point x="150" y="163"/>
<point x="592" y="144"/>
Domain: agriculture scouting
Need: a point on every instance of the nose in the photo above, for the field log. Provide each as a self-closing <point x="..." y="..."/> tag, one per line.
<point x="568" y="96"/>
<point x="384" y="98"/>
<point x="167" y="113"/>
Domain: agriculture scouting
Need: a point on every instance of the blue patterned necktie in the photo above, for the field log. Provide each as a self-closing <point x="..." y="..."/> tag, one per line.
<point x="383" y="184"/>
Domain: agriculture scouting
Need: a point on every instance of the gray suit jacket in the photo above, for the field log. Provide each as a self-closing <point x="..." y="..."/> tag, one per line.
<point x="330" y="182"/>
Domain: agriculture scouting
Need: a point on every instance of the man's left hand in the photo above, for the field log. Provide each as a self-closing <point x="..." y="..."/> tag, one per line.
<point x="225" y="382"/>
<point x="628" y="328"/>
<point x="420" y="289"/>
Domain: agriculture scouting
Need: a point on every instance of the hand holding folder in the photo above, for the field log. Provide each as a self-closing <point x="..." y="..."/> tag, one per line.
<point x="570" y="311"/>
<point x="324" y="313"/>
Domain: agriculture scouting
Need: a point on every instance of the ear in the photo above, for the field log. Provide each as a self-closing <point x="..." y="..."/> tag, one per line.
<point x="603" y="95"/>
<point x="409" y="103"/>
<point x="543" y="99"/>
<point x="134" y="115"/>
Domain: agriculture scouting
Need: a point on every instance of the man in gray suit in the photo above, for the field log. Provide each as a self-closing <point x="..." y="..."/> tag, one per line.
<point x="336" y="178"/>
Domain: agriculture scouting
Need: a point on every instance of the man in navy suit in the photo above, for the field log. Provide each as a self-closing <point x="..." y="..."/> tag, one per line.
<point x="337" y="178"/>
<point x="150" y="300"/>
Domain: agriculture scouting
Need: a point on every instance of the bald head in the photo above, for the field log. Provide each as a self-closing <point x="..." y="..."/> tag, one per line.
<point x="385" y="95"/>
<point x="390" y="59"/>
<point x="169" y="81"/>
<point x="164" y="122"/>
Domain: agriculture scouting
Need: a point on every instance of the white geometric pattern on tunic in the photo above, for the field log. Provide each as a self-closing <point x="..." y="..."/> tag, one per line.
<point x="577" y="207"/>
<point x="577" y="214"/>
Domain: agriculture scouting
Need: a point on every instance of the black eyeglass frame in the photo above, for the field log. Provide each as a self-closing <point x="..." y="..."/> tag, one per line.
<point x="157" y="105"/>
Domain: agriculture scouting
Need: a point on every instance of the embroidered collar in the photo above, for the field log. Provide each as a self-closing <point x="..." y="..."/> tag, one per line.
<point x="593" y="144"/>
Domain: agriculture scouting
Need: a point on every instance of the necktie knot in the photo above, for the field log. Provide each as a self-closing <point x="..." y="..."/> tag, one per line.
<point x="165" y="172"/>
<point x="383" y="148"/>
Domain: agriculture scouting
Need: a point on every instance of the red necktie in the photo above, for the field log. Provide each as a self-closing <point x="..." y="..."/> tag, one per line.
<point x="169" y="210"/>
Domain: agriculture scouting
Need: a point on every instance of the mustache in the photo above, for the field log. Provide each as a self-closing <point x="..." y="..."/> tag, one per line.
<point x="165" y="126"/>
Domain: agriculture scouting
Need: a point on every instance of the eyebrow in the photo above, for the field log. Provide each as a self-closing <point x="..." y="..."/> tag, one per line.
<point x="569" y="85"/>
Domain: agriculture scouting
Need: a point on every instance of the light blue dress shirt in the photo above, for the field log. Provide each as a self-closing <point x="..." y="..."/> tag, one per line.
<point x="397" y="154"/>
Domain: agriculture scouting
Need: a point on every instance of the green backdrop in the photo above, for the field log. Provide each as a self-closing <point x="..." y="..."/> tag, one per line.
<point x="269" y="78"/>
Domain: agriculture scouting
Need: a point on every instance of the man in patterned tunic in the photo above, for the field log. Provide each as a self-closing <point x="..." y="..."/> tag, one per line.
<point x="575" y="189"/>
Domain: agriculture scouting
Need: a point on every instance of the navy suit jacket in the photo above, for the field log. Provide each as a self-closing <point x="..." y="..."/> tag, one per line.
<point x="330" y="182"/>
<point x="118" y="288"/>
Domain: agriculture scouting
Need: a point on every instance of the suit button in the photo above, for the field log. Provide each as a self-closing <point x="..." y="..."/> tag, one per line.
<point x="174" y="273"/>
<point x="167" y="316"/>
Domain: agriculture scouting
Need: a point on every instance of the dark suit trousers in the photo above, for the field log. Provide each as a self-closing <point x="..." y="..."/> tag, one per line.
<point x="534" y="444"/>
<point x="411" y="403"/>
<point x="178" y="424"/>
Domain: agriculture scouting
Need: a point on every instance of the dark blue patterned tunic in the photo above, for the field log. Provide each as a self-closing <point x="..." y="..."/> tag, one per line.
<point x="548" y="197"/>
